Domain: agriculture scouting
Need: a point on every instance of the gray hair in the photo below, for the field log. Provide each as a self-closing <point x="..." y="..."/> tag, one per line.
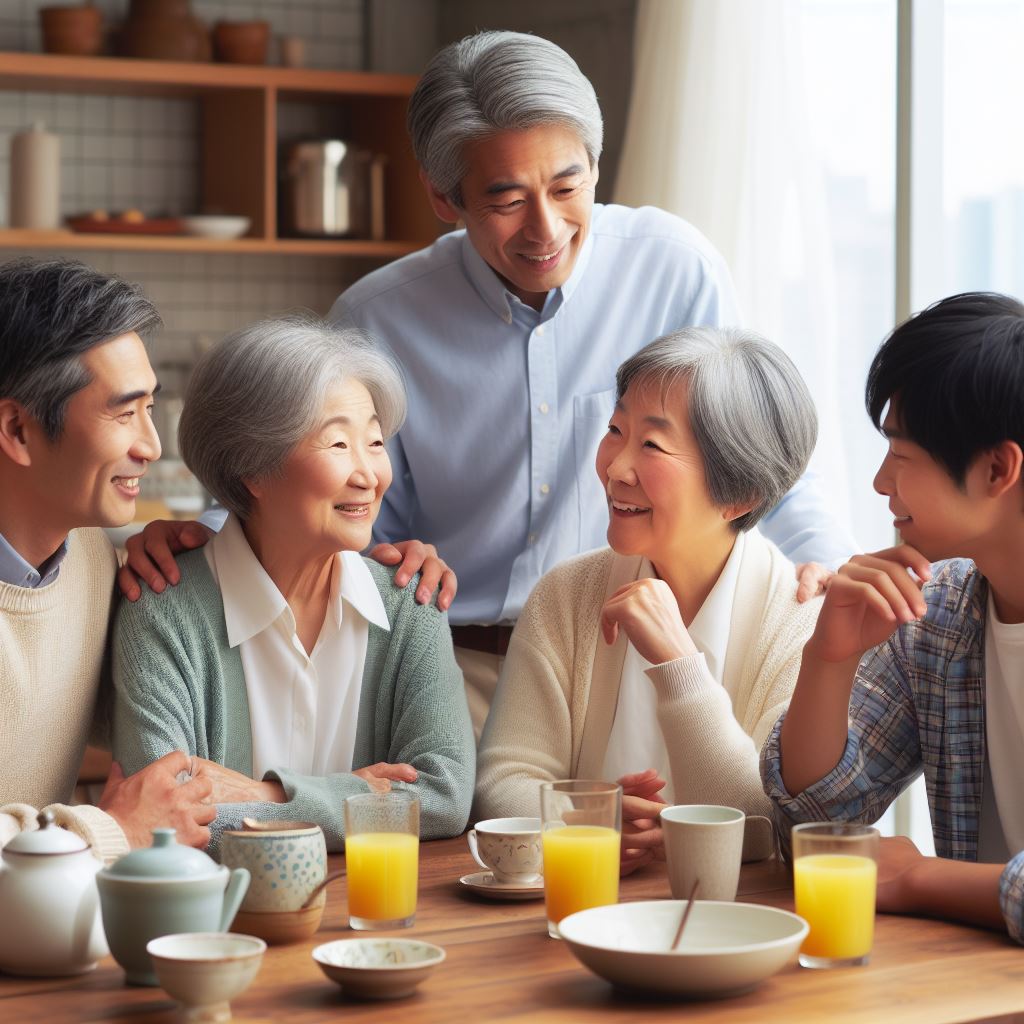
<point x="253" y="397"/>
<point x="492" y="82"/>
<point x="749" y="409"/>
<point x="52" y="312"/>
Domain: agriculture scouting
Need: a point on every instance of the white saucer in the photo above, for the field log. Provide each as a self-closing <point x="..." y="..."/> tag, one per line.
<point x="485" y="884"/>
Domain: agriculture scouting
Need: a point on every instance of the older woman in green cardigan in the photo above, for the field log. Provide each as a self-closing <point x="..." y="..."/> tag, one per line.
<point x="292" y="668"/>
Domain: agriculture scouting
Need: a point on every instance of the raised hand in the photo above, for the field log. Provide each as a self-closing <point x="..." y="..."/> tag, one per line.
<point x="867" y="601"/>
<point x="647" y="612"/>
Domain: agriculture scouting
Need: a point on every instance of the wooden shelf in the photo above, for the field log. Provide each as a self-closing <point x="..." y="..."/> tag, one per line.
<point x="352" y="247"/>
<point x="44" y="72"/>
<point x="238" y="142"/>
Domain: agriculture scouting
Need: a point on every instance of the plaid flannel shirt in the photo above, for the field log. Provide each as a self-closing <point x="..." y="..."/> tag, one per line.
<point x="918" y="704"/>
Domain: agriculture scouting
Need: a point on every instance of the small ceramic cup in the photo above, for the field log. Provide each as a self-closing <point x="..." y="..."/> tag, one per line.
<point x="703" y="842"/>
<point x="287" y="861"/>
<point x="509" y="847"/>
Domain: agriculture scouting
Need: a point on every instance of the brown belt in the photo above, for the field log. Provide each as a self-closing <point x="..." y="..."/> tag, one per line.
<point x="486" y="639"/>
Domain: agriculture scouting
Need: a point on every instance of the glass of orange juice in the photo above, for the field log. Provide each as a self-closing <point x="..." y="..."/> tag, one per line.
<point x="834" y="874"/>
<point x="382" y="848"/>
<point x="581" y="825"/>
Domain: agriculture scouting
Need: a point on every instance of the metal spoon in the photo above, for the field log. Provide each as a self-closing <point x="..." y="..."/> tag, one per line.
<point x="686" y="916"/>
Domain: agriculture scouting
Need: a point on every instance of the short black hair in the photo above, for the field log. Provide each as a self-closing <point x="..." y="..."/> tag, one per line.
<point x="956" y="371"/>
<point x="51" y="312"/>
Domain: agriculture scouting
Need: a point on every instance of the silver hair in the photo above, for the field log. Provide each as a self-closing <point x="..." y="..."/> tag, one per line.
<point x="253" y="397"/>
<point x="492" y="82"/>
<point x="749" y="409"/>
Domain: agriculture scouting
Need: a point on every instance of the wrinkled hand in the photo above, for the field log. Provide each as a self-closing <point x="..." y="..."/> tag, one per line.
<point x="867" y="601"/>
<point x="898" y="859"/>
<point x="151" y="555"/>
<point x="417" y="557"/>
<point x="811" y="580"/>
<point x="641" y="828"/>
<point x="647" y="611"/>
<point x="153" y="798"/>
<point x="231" y="787"/>
<point x="380" y="776"/>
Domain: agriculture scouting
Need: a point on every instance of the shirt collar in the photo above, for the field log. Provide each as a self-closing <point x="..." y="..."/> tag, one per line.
<point x="19" y="573"/>
<point x="710" y="627"/>
<point x="490" y="287"/>
<point x="252" y="602"/>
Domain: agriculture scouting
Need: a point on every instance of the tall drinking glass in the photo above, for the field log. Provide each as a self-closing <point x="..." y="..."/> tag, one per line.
<point x="382" y="846"/>
<point x="834" y="874"/>
<point x="581" y="824"/>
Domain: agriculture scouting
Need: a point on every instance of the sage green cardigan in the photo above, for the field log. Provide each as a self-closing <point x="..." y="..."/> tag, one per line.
<point x="179" y="686"/>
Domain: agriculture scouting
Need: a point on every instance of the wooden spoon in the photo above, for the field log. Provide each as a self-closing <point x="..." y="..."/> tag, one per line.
<point x="686" y="916"/>
<point x="320" y="888"/>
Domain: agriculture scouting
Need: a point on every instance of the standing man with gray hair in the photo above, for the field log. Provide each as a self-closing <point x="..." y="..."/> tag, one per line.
<point x="510" y="331"/>
<point x="76" y="434"/>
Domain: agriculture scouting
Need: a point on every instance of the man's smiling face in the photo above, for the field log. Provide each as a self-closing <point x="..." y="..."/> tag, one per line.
<point x="527" y="199"/>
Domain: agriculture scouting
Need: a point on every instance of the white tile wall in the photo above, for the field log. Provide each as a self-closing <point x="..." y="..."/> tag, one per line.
<point x="120" y="152"/>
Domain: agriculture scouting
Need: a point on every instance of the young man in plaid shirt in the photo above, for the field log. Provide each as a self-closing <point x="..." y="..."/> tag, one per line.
<point x="915" y="666"/>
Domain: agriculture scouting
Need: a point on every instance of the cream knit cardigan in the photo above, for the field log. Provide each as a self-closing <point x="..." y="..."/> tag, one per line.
<point x="52" y="649"/>
<point x="559" y="687"/>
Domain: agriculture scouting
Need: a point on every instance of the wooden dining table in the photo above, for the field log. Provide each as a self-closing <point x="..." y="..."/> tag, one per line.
<point x="501" y="965"/>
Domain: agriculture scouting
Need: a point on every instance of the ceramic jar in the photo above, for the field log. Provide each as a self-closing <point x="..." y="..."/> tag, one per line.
<point x="48" y="903"/>
<point x="164" y="30"/>
<point x="164" y="890"/>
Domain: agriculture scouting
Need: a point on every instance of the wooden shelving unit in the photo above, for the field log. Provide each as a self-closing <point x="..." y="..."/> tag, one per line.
<point x="239" y="107"/>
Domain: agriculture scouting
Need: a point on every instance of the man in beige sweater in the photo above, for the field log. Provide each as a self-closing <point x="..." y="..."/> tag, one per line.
<point x="76" y="433"/>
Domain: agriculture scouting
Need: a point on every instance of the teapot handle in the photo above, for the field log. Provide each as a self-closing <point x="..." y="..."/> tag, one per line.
<point x="233" y="895"/>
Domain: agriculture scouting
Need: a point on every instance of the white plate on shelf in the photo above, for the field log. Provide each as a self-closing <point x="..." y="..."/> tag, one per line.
<point x="483" y="883"/>
<point x="211" y="226"/>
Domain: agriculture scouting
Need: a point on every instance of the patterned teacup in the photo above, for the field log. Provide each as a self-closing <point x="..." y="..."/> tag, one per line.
<point x="509" y="847"/>
<point x="287" y="861"/>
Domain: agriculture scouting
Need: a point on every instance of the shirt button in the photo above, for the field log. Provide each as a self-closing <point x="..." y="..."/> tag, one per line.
<point x="539" y="332"/>
<point x="543" y="408"/>
<point x="531" y="538"/>
<point x="544" y="488"/>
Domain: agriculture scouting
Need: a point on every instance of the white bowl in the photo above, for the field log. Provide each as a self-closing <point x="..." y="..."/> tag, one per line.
<point x="210" y="226"/>
<point x="726" y="948"/>
<point x="205" y="970"/>
<point x="378" y="968"/>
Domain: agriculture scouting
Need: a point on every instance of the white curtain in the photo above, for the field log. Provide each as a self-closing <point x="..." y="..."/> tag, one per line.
<point x="716" y="134"/>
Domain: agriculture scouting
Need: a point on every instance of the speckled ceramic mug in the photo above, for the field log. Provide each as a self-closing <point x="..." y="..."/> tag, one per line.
<point x="287" y="861"/>
<point x="510" y="847"/>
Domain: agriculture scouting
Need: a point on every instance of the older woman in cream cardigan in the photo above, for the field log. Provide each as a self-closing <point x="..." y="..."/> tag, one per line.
<point x="663" y="660"/>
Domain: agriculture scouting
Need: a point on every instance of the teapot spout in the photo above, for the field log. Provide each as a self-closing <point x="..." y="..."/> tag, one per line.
<point x="233" y="896"/>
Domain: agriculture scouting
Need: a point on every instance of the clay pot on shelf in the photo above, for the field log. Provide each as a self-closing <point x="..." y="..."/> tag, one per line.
<point x="73" y="31"/>
<point x="241" y="42"/>
<point x="164" y="30"/>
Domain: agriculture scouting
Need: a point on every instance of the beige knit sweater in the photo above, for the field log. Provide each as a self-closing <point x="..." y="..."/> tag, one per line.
<point x="52" y="644"/>
<point x="556" y="698"/>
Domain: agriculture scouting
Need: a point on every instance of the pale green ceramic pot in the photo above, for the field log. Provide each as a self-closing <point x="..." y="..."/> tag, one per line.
<point x="164" y="890"/>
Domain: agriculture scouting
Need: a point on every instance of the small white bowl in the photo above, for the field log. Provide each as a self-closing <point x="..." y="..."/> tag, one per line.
<point x="726" y="948"/>
<point x="378" y="968"/>
<point x="211" y="226"/>
<point x="205" y="970"/>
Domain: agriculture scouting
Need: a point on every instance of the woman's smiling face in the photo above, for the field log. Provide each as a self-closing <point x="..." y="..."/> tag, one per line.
<point x="653" y="475"/>
<point x="330" y="489"/>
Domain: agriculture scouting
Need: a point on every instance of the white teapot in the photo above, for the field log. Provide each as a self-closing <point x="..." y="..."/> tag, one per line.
<point x="49" y="904"/>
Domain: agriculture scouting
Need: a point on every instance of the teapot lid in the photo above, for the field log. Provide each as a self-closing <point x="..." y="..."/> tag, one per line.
<point x="48" y="838"/>
<point x="165" y="859"/>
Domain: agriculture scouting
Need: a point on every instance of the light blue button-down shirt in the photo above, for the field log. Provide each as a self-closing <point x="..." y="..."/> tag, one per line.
<point x="495" y="463"/>
<point x="15" y="570"/>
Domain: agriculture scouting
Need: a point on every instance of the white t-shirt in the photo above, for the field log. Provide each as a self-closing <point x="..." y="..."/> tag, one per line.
<point x="1002" y="810"/>
<point x="303" y="708"/>
<point x="636" y="741"/>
